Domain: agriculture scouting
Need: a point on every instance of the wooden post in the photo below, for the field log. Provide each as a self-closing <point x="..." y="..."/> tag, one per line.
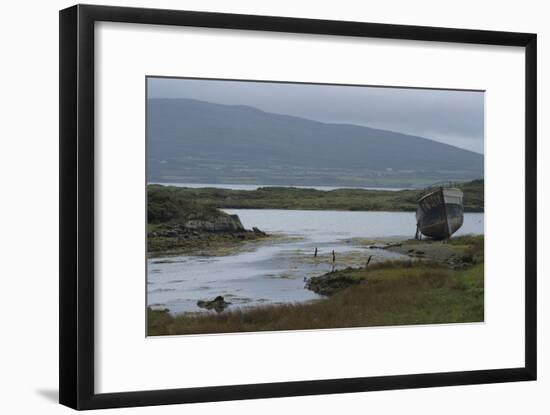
<point x="368" y="262"/>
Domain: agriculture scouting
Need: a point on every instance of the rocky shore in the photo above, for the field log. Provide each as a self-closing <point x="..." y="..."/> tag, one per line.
<point x="196" y="234"/>
<point x="204" y="229"/>
<point x="454" y="254"/>
<point x="332" y="282"/>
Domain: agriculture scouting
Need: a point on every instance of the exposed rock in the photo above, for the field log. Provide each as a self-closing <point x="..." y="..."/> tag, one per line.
<point x="461" y="261"/>
<point x="258" y="231"/>
<point x="218" y="304"/>
<point x="395" y="245"/>
<point x="220" y="223"/>
<point x="331" y="282"/>
<point x="200" y="228"/>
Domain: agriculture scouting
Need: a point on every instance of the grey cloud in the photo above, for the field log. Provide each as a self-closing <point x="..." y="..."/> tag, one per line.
<point x="449" y="116"/>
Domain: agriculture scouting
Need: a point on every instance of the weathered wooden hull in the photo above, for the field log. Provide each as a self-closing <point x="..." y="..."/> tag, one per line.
<point x="440" y="213"/>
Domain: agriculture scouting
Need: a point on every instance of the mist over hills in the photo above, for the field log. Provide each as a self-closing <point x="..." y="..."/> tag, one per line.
<point x="193" y="141"/>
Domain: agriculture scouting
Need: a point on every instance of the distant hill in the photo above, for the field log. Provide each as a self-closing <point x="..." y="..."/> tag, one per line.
<point x="201" y="142"/>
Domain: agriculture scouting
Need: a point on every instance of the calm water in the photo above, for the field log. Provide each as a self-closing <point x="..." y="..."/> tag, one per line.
<point x="273" y="272"/>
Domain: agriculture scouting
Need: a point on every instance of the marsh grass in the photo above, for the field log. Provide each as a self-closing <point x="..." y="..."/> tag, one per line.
<point x="472" y="245"/>
<point x="391" y="293"/>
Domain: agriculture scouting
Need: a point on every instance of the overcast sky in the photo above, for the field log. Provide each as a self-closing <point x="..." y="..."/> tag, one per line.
<point x="451" y="117"/>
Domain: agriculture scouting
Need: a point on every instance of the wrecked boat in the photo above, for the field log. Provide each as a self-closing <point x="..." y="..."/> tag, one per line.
<point x="440" y="213"/>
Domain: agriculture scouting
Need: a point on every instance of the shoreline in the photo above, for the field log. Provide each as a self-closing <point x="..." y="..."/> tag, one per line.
<point x="448" y="275"/>
<point x="296" y="198"/>
<point x="219" y="247"/>
<point x="219" y="244"/>
<point x="253" y="186"/>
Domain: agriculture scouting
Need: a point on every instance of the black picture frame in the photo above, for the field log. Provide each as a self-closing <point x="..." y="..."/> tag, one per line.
<point x="76" y="278"/>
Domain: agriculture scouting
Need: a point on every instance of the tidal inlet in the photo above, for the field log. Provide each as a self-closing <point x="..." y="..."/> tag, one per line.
<point x="288" y="206"/>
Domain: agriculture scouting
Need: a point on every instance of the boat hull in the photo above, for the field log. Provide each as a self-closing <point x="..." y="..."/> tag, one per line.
<point x="440" y="213"/>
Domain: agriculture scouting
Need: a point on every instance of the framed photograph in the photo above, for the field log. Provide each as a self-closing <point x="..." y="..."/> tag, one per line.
<point x="258" y="207"/>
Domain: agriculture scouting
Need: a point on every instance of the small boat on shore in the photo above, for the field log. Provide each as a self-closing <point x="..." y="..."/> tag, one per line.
<point x="440" y="213"/>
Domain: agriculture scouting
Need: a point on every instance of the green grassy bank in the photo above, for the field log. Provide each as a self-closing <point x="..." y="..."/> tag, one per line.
<point x="311" y="199"/>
